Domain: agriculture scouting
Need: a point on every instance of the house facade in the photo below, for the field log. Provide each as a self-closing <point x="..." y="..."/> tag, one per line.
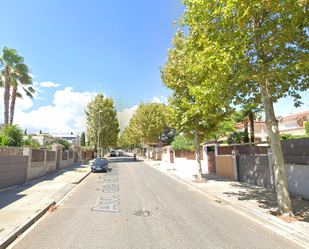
<point x="293" y="124"/>
<point x="73" y="139"/>
<point x="260" y="130"/>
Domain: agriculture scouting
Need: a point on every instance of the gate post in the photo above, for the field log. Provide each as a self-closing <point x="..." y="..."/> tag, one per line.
<point x="235" y="153"/>
<point x="27" y="151"/>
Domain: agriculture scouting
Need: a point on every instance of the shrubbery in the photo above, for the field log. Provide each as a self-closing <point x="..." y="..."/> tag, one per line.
<point x="181" y="143"/>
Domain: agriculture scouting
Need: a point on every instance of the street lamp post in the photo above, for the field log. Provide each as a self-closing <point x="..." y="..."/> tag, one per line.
<point x="99" y="136"/>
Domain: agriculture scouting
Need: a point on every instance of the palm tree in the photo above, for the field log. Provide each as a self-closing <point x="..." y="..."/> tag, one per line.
<point x="20" y="76"/>
<point x="249" y="110"/>
<point x="14" y="72"/>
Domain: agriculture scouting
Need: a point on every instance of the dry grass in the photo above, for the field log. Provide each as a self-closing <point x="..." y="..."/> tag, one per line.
<point x="200" y="181"/>
<point x="52" y="208"/>
<point x="287" y="218"/>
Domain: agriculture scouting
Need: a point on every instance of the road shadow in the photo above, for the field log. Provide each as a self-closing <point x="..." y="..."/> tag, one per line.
<point x="124" y="159"/>
<point x="10" y="195"/>
<point x="266" y="198"/>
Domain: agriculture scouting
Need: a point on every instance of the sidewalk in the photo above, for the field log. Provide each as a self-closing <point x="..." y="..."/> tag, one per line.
<point x="21" y="206"/>
<point x="255" y="202"/>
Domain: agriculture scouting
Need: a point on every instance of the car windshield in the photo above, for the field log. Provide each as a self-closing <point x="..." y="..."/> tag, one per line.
<point x="100" y="160"/>
<point x="113" y="151"/>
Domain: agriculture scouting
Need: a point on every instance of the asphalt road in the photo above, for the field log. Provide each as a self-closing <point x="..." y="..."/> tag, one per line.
<point x="136" y="206"/>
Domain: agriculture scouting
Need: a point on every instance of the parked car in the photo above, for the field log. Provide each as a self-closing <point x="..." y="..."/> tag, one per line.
<point x="99" y="164"/>
<point x="113" y="153"/>
<point x="120" y="153"/>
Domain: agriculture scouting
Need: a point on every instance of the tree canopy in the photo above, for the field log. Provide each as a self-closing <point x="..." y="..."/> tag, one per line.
<point x="257" y="50"/>
<point x="109" y="124"/>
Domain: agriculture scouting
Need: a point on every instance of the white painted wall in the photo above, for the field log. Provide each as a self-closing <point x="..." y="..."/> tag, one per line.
<point x="298" y="180"/>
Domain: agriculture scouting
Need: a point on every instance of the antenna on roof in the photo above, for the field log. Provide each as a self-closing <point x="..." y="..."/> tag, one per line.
<point x="292" y="110"/>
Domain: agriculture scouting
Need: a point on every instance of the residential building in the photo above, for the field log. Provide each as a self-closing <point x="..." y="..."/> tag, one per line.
<point x="260" y="130"/>
<point x="73" y="139"/>
<point x="293" y="124"/>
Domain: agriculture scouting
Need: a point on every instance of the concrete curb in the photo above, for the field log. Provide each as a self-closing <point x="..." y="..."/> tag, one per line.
<point x="78" y="182"/>
<point x="22" y="228"/>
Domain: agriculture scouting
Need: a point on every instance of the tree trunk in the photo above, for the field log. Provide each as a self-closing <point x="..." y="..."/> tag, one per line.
<point x="251" y="118"/>
<point x="283" y="197"/>
<point x="13" y="100"/>
<point x="246" y="138"/>
<point x="197" y="149"/>
<point x="148" y="151"/>
<point x="6" y="95"/>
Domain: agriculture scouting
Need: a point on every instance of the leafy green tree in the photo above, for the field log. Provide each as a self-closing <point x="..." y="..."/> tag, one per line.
<point x="124" y="141"/>
<point x="109" y="125"/>
<point x="15" y="72"/>
<point x="147" y="123"/>
<point x="168" y="134"/>
<point x="193" y="111"/>
<point x="182" y="143"/>
<point x="225" y="127"/>
<point x="83" y="139"/>
<point x="266" y="50"/>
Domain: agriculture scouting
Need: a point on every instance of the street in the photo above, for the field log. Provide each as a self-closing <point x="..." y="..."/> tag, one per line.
<point x="134" y="205"/>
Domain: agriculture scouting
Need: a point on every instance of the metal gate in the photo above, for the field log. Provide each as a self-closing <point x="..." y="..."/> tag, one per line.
<point x="254" y="169"/>
<point x="211" y="157"/>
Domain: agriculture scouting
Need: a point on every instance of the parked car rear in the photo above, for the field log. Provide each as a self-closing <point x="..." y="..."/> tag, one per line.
<point x="112" y="153"/>
<point x="99" y="164"/>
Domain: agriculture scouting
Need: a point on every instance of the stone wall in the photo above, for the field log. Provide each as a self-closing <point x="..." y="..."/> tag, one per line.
<point x="10" y="151"/>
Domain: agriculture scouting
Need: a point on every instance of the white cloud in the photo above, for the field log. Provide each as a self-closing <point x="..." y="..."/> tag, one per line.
<point x="67" y="115"/>
<point x="49" y="84"/>
<point x="156" y="100"/>
<point x="32" y="76"/>
<point x="125" y="116"/>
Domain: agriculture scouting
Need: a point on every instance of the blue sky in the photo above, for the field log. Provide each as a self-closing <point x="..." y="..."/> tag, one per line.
<point x="76" y="49"/>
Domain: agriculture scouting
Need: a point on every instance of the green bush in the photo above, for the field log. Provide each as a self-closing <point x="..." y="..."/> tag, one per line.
<point x="32" y="142"/>
<point x="236" y="137"/>
<point x="307" y="128"/>
<point x="14" y="136"/>
<point x="65" y="143"/>
<point x="284" y="136"/>
<point x="4" y="139"/>
<point x="181" y="143"/>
